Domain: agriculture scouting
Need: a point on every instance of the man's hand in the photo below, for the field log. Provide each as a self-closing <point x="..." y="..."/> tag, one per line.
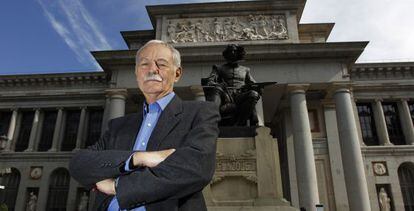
<point x="106" y="186"/>
<point x="151" y="159"/>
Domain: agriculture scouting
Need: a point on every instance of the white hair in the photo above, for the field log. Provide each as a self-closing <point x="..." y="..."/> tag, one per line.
<point x="175" y="53"/>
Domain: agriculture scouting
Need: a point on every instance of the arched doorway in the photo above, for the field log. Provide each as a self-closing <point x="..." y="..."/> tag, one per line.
<point x="406" y="177"/>
<point x="58" y="190"/>
<point x="11" y="182"/>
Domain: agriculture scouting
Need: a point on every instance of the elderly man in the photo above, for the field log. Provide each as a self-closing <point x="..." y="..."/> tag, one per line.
<point x="159" y="158"/>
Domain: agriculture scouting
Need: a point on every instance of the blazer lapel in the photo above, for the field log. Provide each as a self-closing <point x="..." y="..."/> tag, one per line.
<point x="167" y="121"/>
<point x="130" y="131"/>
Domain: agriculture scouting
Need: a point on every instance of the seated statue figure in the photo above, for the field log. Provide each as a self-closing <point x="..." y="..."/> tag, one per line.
<point x="229" y="86"/>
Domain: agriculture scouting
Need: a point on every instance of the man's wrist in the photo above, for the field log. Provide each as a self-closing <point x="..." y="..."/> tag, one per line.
<point x="115" y="185"/>
<point x="137" y="160"/>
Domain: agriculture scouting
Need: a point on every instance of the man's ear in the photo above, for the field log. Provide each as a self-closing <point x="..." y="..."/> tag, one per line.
<point x="178" y="73"/>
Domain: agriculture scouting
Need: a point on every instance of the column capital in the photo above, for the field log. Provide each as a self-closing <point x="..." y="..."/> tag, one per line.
<point x="404" y="100"/>
<point x="338" y="87"/>
<point x="14" y="109"/>
<point x="297" y="88"/>
<point x="117" y="93"/>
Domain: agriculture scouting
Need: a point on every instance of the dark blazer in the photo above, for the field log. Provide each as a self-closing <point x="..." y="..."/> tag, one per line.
<point x="190" y="127"/>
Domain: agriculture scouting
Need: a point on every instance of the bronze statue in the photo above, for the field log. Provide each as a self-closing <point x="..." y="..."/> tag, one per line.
<point x="233" y="89"/>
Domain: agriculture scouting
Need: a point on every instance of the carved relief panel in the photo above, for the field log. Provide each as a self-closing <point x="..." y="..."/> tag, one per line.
<point x="231" y="28"/>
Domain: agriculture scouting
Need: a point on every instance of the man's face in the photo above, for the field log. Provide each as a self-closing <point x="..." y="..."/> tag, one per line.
<point x="155" y="71"/>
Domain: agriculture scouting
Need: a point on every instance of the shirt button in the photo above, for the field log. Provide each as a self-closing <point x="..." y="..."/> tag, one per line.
<point x="149" y="124"/>
<point x="143" y="144"/>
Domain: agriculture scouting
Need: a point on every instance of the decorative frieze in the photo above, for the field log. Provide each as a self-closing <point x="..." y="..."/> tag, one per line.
<point x="231" y="28"/>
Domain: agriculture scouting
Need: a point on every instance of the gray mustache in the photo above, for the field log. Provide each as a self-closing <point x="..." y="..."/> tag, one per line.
<point x="152" y="77"/>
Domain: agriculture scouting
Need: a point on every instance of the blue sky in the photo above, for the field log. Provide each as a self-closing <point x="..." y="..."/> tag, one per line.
<point x="52" y="36"/>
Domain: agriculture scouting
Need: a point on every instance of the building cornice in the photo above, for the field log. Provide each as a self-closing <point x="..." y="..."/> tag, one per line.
<point x="346" y="52"/>
<point x="136" y="39"/>
<point x="384" y="71"/>
<point x="54" y="79"/>
<point x="398" y="150"/>
<point x="225" y="8"/>
<point x="37" y="156"/>
<point x="324" y="29"/>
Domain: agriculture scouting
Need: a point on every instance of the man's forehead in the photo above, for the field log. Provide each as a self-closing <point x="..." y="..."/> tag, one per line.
<point x="156" y="49"/>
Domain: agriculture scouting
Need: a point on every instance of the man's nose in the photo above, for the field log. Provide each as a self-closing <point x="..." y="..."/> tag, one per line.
<point x="154" y="67"/>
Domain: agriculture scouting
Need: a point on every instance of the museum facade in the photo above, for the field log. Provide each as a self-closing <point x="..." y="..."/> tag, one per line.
<point x="331" y="132"/>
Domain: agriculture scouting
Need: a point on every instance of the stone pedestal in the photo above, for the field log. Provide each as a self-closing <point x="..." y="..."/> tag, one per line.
<point x="247" y="175"/>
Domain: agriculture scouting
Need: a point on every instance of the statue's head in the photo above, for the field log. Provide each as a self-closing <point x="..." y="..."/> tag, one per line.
<point x="233" y="53"/>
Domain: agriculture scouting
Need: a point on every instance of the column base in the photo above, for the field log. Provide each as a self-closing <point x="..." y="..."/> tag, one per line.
<point x="251" y="208"/>
<point x="271" y="202"/>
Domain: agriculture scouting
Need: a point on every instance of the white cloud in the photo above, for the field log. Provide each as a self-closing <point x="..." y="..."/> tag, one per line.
<point x="385" y="24"/>
<point x="72" y="21"/>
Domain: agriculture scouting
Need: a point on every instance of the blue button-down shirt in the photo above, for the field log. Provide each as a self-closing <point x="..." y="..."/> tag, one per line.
<point x="151" y="113"/>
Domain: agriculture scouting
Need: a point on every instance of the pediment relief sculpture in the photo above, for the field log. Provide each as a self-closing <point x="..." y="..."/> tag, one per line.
<point x="233" y="28"/>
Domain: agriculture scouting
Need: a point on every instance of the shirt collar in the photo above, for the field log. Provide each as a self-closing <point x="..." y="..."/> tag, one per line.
<point x="159" y="104"/>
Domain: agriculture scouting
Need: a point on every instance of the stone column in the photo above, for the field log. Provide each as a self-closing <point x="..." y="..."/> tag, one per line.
<point x="62" y="131"/>
<point x="304" y="155"/>
<point x="356" y="183"/>
<point x="81" y="129"/>
<point x="406" y="121"/>
<point x="380" y="123"/>
<point x="12" y="130"/>
<point x="33" y="131"/>
<point x="117" y="105"/>
<point x="105" y="114"/>
<point x="39" y="130"/>
<point x="56" y="132"/>
<point x="198" y="93"/>
<point x="17" y="131"/>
